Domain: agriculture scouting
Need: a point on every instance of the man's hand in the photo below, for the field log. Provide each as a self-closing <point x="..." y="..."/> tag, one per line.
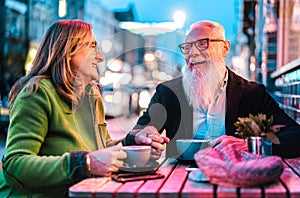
<point x="150" y="136"/>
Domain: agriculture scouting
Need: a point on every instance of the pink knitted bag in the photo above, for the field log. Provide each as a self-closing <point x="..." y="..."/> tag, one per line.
<point x="228" y="163"/>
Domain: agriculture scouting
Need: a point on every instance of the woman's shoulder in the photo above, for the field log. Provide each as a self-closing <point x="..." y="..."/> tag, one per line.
<point x="41" y="87"/>
<point x="46" y="84"/>
<point x="36" y="84"/>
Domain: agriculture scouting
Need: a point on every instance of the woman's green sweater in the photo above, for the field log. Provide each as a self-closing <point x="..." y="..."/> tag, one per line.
<point x="46" y="143"/>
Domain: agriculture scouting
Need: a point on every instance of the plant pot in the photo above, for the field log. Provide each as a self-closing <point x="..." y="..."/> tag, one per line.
<point x="259" y="146"/>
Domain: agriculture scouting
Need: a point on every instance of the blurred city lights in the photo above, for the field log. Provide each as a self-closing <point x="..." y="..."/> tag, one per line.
<point x="108" y="98"/>
<point x="252" y="63"/>
<point x="125" y="79"/>
<point x="179" y="18"/>
<point x="115" y="64"/>
<point x="158" y="53"/>
<point x="117" y="98"/>
<point x="252" y="67"/>
<point x="106" y="46"/>
<point x="135" y="96"/>
<point x="148" y="28"/>
<point x="144" y="99"/>
<point x="149" y="57"/>
<point x="161" y="76"/>
<point x="62" y="8"/>
<point x="31" y="54"/>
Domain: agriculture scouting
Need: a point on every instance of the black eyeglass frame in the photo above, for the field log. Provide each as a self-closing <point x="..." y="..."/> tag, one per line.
<point x="194" y="42"/>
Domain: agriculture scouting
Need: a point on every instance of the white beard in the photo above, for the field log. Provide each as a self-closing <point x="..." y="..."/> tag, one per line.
<point x="202" y="84"/>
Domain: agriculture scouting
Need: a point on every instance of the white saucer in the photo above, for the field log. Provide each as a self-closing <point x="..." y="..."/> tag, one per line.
<point x="150" y="166"/>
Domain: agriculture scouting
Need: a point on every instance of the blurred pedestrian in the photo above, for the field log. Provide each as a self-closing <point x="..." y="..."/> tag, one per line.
<point x="57" y="134"/>
<point x="207" y="100"/>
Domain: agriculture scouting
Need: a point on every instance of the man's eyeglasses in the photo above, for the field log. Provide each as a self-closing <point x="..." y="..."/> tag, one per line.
<point x="201" y="45"/>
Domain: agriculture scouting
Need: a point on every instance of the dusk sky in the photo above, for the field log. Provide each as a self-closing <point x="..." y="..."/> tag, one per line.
<point x="149" y="11"/>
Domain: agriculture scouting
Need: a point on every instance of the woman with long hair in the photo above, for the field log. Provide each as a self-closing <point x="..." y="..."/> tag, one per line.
<point x="57" y="134"/>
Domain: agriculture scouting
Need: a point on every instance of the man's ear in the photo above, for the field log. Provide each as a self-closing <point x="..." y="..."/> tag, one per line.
<point x="226" y="48"/>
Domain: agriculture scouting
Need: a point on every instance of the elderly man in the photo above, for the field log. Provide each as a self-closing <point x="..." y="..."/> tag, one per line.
<point x="206" y="101"/>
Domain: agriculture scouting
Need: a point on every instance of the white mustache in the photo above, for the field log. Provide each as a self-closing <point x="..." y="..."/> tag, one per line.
<point x="197" y="60"/>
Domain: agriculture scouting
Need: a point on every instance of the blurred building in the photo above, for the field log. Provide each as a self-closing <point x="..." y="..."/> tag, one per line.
<point x="289" y="30"/>
<point x="14" y="43"/>
<point x="241" y="45"/>
<point x="256" y="50"/>
<point x="268" y="37"/>
<point x="272" y="30"/>
<point x="23" y="23"/>
<point x="287" y="74"/>
<point x="266" y="41"/>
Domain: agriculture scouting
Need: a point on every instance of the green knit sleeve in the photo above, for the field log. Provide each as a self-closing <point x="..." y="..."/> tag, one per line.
<point x="29" y="162"/>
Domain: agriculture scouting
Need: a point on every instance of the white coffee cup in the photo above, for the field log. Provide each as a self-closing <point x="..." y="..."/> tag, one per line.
<point x="137" y="155"/>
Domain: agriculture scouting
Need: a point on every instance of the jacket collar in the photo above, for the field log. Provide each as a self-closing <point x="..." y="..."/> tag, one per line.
<point x="233" y="96"/>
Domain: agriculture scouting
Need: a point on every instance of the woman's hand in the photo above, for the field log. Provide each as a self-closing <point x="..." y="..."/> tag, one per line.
<point x="150" y="136"/>
<point x="105" y="161"/>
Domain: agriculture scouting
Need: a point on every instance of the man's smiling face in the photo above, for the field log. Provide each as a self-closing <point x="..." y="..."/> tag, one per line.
<point x="202" y="58"/>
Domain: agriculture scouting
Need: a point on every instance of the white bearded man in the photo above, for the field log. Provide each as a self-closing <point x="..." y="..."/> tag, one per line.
<point x="206" y="101"/>
<point x="205" y="76"/>
<point x="205" y="70"/>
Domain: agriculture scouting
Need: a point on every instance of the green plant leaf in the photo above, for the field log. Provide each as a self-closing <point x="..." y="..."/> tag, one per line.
<point x="258" y="125"/>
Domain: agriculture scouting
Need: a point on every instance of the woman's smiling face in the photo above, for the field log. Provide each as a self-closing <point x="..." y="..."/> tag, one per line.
<point x="86" y="59"/>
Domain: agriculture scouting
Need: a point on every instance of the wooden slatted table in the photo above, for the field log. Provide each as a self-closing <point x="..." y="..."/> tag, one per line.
<point x="176" y="184"/>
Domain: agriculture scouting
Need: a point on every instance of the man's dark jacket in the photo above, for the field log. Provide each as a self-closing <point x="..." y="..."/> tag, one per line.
<point x="169" y="110"/>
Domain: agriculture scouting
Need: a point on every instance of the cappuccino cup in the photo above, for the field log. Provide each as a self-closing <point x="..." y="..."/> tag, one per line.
<point x="137" y="155"/>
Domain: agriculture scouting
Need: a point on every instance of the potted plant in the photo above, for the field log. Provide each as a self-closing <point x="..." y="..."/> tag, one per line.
<point x="259" y="131"/>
